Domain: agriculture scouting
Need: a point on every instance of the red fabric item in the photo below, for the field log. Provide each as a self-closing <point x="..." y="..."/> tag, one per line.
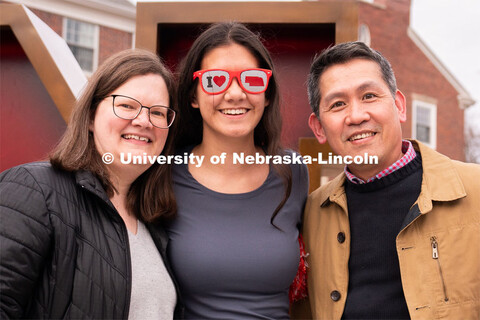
<point x="298" y="288"/>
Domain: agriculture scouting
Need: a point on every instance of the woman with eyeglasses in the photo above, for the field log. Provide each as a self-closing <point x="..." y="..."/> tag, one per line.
<point x="234" y="244"/>
<point x="81" y="235"/>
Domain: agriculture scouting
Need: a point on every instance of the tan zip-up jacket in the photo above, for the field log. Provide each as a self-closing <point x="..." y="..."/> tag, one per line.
<point x="438" y="247"/>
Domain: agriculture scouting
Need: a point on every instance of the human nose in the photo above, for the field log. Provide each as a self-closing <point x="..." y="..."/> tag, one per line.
<point x="357" y="114"/>
<point x="235" y="91"/>
<point x="143" y="118"/>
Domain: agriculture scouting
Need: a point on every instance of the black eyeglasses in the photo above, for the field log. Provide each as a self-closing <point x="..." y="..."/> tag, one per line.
<point x="129" y="108"/>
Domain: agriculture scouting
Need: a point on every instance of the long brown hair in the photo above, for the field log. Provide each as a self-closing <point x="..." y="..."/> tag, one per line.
<point x="151" y="195"/>
<point x="189" y="126"/>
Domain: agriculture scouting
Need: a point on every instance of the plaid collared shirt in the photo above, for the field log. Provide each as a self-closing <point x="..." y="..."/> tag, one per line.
<point x="409" y="155"/>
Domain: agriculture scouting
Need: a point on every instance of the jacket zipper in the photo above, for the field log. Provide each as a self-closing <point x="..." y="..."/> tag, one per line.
<point x="128" y="292"/>
<point x="435" y="257"/>
<point x="123" y="226"/>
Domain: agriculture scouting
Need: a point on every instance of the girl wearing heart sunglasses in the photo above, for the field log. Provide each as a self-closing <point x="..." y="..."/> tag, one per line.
<point x="234" y="245"/>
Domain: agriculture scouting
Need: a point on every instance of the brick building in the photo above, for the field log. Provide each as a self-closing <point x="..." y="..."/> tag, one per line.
<point x="435" y="99"/>
<point x="93" y="29"/>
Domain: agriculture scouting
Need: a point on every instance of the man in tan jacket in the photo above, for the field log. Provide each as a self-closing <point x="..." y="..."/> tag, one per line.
<point x="395" y="239"/>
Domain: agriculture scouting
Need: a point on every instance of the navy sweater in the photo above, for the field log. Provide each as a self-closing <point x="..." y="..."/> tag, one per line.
<point x="376" y="213"/>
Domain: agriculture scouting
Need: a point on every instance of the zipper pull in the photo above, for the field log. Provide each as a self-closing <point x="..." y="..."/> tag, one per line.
<point x="434" y="247"/>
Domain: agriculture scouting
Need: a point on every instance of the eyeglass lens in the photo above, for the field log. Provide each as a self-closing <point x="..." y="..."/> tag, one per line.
<point x="129" y="108"/>
<point x="216" y="81"/>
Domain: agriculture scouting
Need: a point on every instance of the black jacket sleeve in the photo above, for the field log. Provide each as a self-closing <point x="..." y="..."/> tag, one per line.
<point x="25" y="239"/>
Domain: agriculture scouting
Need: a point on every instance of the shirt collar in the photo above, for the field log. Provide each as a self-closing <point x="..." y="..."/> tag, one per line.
<point x="409" y="155"/>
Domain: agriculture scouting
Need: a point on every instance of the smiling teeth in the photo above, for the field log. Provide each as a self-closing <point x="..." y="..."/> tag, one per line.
<point x="361" y="136"/>
<point x="132" y="136"/>
<point x="233" y="111"/>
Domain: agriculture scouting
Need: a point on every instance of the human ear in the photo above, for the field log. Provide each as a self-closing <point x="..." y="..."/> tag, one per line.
<point x="317" y="128"/>
<point x="194" y="103"/>
<point x="401" y="105"/>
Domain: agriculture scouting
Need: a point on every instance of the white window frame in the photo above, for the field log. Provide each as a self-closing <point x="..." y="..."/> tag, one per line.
<point x="364" y="34"/>
<point x="433" y="121"/>
<point x="95" y="47"/>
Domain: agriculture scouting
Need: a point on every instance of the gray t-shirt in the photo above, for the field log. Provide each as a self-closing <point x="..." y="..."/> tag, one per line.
<point x="230" y="261"/>
<point x="153" y="294"/>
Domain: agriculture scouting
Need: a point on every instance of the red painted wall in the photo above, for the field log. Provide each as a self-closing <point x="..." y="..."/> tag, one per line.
<point x="30" y="124"/>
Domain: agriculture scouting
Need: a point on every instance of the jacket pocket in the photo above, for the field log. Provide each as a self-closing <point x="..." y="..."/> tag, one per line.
<point x="436" y="256"/>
